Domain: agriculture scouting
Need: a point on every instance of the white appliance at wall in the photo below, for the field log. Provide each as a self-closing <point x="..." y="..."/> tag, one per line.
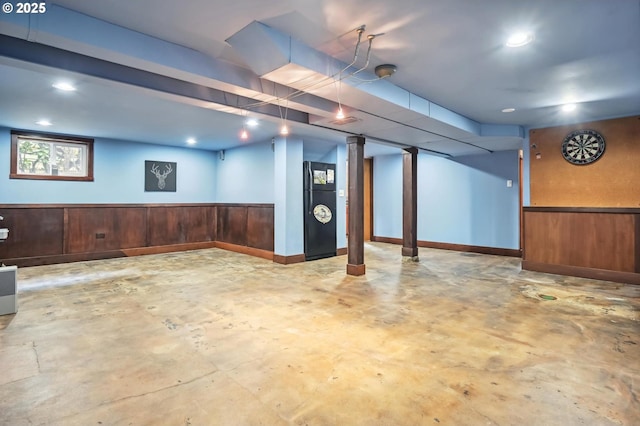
<point x="8" y="287"/>
<point x="4" y="232"/>
<point x="8" y="282"/>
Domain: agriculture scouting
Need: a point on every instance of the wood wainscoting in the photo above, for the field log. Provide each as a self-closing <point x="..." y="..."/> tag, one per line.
<point x="47" y="234"/>
<point x="598" y="243"/>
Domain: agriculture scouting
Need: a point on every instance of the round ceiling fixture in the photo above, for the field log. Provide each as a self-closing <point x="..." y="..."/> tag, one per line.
<point x="385" y="70"/>
<point x="519" y="39"/>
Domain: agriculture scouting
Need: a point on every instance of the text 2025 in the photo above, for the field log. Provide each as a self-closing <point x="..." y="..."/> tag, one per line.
<point x="31" y="7"/>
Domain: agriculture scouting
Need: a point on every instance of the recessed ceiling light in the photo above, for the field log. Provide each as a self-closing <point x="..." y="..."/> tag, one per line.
<point x="191" y="141"/>
<point x="44" y="122"/>
<point x="569" y="107"/>
<point x="519" y="39"/>
<point x="64" y="86"/>
<point x="251" y="122"/>
<point x="508" y="110"/>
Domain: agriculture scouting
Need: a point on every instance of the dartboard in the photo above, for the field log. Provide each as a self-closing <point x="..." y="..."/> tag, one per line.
<point x="583" y="147"/>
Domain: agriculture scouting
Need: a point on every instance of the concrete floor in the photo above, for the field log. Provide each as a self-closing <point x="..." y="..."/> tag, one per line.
<point x="211" y="337"/>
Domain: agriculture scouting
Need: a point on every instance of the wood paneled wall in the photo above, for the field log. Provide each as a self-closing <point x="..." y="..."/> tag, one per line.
<point x="32" y="232"/>
<point x="96" y="229"/>
<point x="44" y="234"/>
<point x="246" y="225"/>
<point x="592" y="243"/>
<point x="181" y="224"/>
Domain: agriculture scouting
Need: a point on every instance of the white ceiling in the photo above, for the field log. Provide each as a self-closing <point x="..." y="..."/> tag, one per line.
<point x="449" y="52"/>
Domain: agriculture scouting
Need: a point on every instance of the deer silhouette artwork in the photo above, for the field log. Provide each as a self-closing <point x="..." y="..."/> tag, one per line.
<point x="161" y="175"/>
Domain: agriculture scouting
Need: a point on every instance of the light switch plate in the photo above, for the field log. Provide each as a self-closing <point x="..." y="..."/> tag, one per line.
<point x="341" y="193"/>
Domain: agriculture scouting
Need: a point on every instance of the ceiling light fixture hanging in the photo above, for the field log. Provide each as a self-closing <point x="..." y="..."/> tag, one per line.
<point x="340" y="114"/>
<point x="244" y="135"/>
<point x="284" y="130"/>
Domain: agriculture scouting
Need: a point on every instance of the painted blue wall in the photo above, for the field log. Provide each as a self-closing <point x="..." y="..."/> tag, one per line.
<point x="464" y="200"/>
<point x="387" y="196"/>
<point x="246" y="175"/>
<point x="118" y="176"/>
<point x="288" y="205"/>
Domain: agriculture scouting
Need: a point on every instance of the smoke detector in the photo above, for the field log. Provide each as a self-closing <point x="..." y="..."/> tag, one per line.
<point x="385" y="70"/>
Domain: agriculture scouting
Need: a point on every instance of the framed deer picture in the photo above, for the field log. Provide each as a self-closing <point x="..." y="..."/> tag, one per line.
<point x="160" y="176"/>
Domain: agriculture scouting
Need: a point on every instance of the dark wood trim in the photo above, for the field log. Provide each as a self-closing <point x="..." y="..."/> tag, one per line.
<point x="389" y="240"/>
<point x="368" y="201"/>
<point x="577" y="271"/>
<point x="62" y="258"/>
<point x="111" y="254"/>
<point x="139" y="251"/>
<point x="341" y="251"/>
<point x="410" y="202"/>
<point x="50" y="137"/>
<point x="243" y="205"/>
<point x="619" y="210"/>
<point x="355" y="193"/>
<point x="356" y="270"/>
<point x="49" y="206"/>
<point x="264" y="254"/>
<point x="288" y="260"/>
<point x="521" y="197"/>
<point x="637" y="230"/>
<point x="52" y="177"/>
<point x="497" y="251"/>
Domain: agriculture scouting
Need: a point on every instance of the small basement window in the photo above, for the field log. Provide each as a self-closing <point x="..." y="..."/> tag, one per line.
<point x="51" y="157"/>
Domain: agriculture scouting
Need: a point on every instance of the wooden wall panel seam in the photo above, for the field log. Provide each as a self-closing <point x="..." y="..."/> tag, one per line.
<point x="65" y="231"/>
